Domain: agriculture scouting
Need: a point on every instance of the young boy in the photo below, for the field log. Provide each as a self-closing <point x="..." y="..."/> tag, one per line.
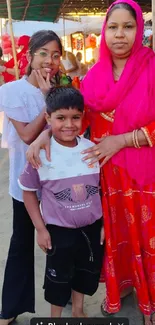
<point x="69" y="224"/>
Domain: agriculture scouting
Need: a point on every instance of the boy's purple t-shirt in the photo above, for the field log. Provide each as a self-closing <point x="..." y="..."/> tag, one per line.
<point x="69" y="188"/>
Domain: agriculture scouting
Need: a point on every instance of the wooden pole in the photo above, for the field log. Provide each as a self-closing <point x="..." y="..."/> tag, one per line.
<point x="12" y="38"/>
<point x="153" y="22"/>
<point x="64" y="30"/>
<point x="1" y="28"/>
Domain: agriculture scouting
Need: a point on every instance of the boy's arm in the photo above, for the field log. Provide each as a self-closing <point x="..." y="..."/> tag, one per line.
<point x="32" y="206"/>
<point x="29" y="182"/>
<point x="33" y="209"/>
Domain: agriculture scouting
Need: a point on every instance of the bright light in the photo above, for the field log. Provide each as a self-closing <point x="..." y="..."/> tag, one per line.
<point x="90" y="14"/>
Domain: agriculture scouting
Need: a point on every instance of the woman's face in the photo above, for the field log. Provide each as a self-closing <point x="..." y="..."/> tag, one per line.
<point x="120" y="33"/>
<point x="46" y="59"/>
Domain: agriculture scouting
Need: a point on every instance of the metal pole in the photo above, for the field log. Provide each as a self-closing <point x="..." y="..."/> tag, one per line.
<point x="12" y="38"/>
<point x="153" y="23"/>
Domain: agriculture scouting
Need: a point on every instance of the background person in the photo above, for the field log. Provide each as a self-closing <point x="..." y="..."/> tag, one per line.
<point x="69" y="64"/>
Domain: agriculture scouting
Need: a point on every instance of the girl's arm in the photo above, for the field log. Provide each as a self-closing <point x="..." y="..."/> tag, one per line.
<point x="28" y="132"/>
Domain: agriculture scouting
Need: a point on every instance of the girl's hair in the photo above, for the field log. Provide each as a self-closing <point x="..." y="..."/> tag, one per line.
<point x="38" y="40"/>
<point x="122" y="5"/>
<point x="64" y="97"/>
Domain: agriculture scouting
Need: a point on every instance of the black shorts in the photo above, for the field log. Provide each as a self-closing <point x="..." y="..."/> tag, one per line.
<point x="73" y="263"/>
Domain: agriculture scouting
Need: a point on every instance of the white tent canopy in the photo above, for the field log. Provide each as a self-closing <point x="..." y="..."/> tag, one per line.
<point x="86" y="24"/>
<point x="30" y="27"/>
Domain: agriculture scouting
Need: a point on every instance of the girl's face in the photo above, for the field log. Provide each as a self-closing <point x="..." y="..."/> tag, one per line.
<point x="46" y="59"/>
<point x="120" y="33"/>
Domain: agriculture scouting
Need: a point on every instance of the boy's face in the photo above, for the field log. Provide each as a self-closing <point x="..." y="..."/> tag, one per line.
<point x="66" y="125"/>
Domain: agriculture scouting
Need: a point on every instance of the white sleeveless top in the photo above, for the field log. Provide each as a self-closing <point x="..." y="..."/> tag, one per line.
<point x="22" y="102"/>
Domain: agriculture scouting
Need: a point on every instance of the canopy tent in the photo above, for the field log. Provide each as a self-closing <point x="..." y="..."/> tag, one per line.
<point x="39" y="10"/>
<point x="50" y="10"/>
<point x="91" y="7"/>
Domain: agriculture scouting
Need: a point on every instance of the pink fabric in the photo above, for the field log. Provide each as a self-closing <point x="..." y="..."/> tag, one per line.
<point x="132" y="97"/>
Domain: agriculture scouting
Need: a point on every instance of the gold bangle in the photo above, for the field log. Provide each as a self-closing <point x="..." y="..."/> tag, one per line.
<point x="133" y="139"/>
<point x="136" y="139"/>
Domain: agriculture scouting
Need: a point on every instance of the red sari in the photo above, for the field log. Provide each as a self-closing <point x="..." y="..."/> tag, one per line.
<point x="129" y="221"/>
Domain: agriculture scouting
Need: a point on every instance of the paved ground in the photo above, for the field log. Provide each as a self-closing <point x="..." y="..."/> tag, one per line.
<point x="92" y="305"/>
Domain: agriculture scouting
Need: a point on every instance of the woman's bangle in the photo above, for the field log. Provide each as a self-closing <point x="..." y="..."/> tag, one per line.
<point x="135" y="139"/>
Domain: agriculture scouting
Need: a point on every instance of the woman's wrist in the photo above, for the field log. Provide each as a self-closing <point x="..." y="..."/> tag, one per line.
<point x="134" y="139"/>
<point x="125" y="140"/>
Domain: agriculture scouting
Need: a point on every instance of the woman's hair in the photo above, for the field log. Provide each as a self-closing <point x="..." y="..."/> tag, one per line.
<point x="38" y="40"/>
<point x="121" y="5"/>
<point x="64" y="97"/>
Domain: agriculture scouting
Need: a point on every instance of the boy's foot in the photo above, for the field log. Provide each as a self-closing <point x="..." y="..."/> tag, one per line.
<point x="6" y="321"/>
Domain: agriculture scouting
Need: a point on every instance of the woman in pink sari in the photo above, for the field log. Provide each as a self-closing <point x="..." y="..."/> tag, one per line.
<point x="119" y="94"/>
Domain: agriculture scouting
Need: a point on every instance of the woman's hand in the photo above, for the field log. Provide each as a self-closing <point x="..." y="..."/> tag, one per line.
<point x="106" y="148"/>
<point x="42" y="142"/>
<point x="44" y="84"/>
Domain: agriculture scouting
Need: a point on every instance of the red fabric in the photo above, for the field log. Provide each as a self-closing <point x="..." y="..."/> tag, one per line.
<point x="129" y="221"/>
<point x="23" y="41"/>
<point x="150" y="133"/>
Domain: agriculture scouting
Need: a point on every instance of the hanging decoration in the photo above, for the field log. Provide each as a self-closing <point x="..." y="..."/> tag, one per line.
<point x="77" y="41"/>
<point x="91" y="41"/>
<point x="21" y="56"/>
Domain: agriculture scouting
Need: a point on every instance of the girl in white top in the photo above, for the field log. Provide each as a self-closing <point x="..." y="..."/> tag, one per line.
<point x="23" y="104"/>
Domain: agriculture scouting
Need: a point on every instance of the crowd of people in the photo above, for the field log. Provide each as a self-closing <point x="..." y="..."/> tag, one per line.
<point x="75" y="155"/>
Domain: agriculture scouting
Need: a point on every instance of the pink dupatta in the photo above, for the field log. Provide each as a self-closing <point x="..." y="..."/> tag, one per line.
<point x="132" y="98"/>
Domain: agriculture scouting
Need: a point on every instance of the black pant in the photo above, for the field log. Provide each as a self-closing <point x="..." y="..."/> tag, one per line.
<point x="74" y="263"/>
<point x="18" y="288"/>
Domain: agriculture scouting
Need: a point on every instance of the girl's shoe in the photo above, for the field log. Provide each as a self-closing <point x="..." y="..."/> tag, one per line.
<point x="153" y="318"/>
<point x="106" y="314"/>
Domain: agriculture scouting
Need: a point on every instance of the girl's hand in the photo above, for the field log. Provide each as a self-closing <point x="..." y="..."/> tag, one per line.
<point x="44" y="84"/>
<point x="106" y="148"/>
<point x="42" y="142"/>
<point x="44" y="239"/>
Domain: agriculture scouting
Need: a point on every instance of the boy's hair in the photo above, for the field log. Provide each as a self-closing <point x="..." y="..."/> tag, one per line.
<point x="64" y="97"/>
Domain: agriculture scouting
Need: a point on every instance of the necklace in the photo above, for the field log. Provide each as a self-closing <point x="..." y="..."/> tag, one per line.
<point x="116" y="74"/>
